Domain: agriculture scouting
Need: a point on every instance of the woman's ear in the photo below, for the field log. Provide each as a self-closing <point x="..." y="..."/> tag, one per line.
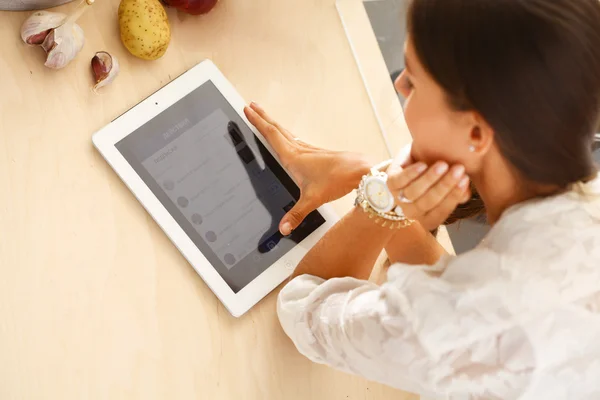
<point x="481" y="137"/>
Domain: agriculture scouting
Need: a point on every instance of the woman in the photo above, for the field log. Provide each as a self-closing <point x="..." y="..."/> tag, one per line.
<point x="503" y="94"/>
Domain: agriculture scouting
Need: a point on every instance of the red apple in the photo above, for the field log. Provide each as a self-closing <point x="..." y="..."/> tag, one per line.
<point x="194" y="7"/>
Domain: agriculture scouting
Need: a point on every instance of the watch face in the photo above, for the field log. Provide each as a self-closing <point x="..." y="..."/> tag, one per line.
<point x="378" y="195"/>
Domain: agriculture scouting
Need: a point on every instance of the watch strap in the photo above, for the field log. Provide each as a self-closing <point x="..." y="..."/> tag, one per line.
<point x="392" y="219"/>
<point x="377" y="169"/>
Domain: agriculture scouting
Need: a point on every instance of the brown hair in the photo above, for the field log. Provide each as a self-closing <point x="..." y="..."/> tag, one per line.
<point x="531" y="68"/>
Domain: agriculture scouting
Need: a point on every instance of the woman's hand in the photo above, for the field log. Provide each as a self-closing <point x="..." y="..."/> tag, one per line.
<point x="429" y="195"/>
<point x="322" y="175"/>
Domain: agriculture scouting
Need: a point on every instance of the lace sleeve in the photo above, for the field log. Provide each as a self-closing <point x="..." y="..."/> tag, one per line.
<point x="416" y="332"/>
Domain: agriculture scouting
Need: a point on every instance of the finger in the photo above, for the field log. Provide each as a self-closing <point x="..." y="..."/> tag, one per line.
<point x="467" y="197"/>
<point x="464" y="186"/>
<point x="402" y="160"/>
<point x="411" y="212"/>
<point x="295" y="216"/>
<point x="404" y="157"/>
<point x="286" y="133"/>
<point x="422" y="184"/>
<point x="441" y="189"/>
<point x="399" y="178"/>
<point x="459" y="192"/>
<point x="407" y="161"/>
<point x="270" y="132"/>
<point x="260" y="111"/>
<point x="439" y="214"/>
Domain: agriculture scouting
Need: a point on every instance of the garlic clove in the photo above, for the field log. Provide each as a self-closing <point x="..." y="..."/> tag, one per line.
<point x="101" y="65"/>
<point x="48" y="44"/>
<point x="105" y="68"/>
<point x="63" y="44"/>
<point x="35" y="28"/>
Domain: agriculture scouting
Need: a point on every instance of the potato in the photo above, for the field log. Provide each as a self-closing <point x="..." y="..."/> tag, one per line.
<point x="144" y="26"/>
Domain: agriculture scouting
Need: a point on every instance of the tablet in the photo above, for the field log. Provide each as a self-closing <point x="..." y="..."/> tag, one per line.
<point x="213" y="184"/>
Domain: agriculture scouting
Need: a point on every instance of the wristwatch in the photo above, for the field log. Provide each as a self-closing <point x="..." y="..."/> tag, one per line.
<point x="376" y="199"/>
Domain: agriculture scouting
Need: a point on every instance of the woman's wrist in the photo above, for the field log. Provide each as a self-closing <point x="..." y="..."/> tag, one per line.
<point x="354" y="166"/>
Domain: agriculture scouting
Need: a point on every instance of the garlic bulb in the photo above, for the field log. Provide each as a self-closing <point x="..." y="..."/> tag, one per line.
<point x="62" y="45"/>
<point x="35" y="28"/>
<point x="105" y="68"/>
<point x="57" y="34"/>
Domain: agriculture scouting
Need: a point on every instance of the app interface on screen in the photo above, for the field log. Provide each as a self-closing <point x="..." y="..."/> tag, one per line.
<point x="219" y="183"/>
<point x="215" y="191"/>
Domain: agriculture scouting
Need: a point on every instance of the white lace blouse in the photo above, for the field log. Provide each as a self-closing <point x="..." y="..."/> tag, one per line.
<point x="516" y="318"/>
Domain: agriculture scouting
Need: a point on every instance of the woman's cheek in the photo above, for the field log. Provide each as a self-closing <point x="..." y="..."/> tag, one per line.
<point x="417" y="126"/>
<point x="408" y="116"/>
<point x="414" y="120"/>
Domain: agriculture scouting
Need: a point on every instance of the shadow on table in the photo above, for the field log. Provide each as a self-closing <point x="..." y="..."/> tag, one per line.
<point x="262" y="188"/>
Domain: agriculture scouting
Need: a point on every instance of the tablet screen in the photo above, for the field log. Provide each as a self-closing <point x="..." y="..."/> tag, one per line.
<point x="219" y="183"/>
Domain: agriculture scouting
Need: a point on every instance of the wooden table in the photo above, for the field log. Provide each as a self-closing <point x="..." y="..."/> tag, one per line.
<point x="95" y="301"/>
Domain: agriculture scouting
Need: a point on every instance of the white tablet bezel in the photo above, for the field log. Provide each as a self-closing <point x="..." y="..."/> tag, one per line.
<point x="105" y="141"/>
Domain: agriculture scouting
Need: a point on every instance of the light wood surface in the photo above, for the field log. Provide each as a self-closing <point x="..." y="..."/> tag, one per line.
<point x="95" y="301"/>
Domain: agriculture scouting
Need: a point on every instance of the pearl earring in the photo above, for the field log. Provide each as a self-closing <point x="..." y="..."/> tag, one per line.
<point x="472" y="149"/>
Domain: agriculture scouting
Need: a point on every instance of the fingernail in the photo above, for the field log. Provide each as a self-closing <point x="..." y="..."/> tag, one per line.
<point x="464" y="183"/>
<point x="255" y="104"/>
<point x="458" y="171"/>
<point x="421" y="167"/>
<point x="441" y="169"/>
<point x="286" y="229"/>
